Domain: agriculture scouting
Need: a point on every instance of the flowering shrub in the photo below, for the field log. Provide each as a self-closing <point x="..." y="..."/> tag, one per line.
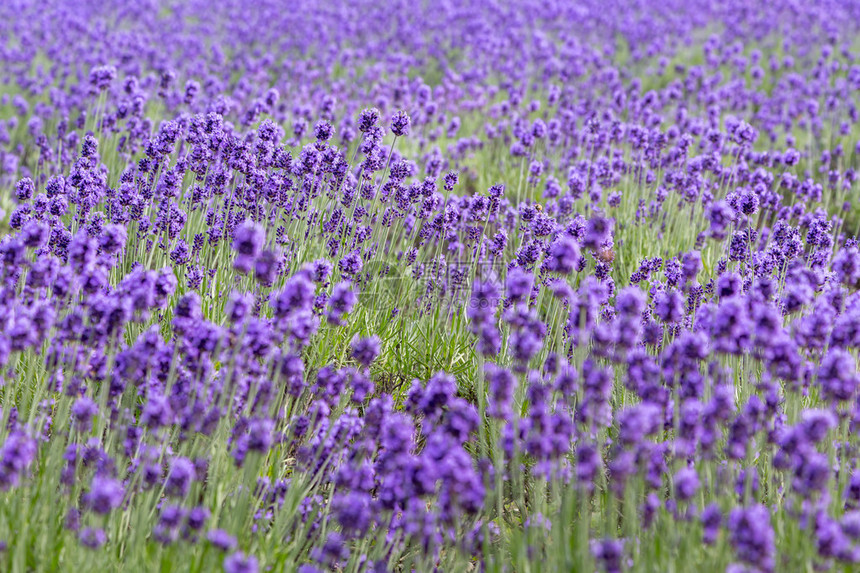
<point x="361" y="286"/>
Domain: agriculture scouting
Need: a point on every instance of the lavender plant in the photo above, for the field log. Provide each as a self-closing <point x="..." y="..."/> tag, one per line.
<point x="365" y="287"/>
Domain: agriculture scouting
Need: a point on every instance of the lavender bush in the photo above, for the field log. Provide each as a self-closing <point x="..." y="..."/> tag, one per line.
<point x="364" y="287"/>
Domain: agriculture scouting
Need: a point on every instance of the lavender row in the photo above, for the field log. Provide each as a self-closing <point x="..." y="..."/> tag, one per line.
<point x="363" y="288"/>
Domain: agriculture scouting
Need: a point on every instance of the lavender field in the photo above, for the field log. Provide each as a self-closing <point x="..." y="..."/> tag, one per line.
<point x="361" y="286"/>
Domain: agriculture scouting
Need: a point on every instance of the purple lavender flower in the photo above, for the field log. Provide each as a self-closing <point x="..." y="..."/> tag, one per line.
<point x="221" y="539"/>
<point x="669" y="306"/>
<point x="711" y="521"/>
<point x="368" y="119"/>
<point x="598" y="232"/>
<point x="102" y="76"/>
<point x="247" y="242"/>
<point x="16" y="455"/>
<point x="838" y="376"/>
<point x="240" y="563"/>
<point x="266" y="266"/>
<point x="846" y="266"/>
<point x="400" y="123"/>
<point x="686" y="483"/>
<point x="691" y="264"/>
<point x="609" y="554"/>
<point x="720" y="215"/>
<point x="341" y="302"/>
<point x="332" y="552"/>
<point x="179" y="477"/>
<point x="105" y="494"/>
<point x="353" y="512"/>
<point x="92" y="538"/>
<point x="323" y="131"/>
<point x="351" y="264"/>
<point x="563" y="255"/>
<point x="518" y="284"/>
<point x="296" y="296"/>
<point x="197" y="518"/>
<point x="752" y="537"/>
<point x="24" y="189"/>
<point x="501" y="384"/>
<point x="113" y="239"/>
<point x="365" y="350"/>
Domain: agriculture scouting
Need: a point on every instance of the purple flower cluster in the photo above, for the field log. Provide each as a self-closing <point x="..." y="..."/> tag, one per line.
<point x="367" y="287"/>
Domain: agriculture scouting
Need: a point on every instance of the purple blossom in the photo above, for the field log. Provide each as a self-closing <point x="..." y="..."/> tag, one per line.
<point x="400" y="122"/>
<point x="105" y="494"/>
<point x="240" y="563"/>
<point x="221" y="539"/>
<point x="365" y="350"/>
<point x="752" y="537"/>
